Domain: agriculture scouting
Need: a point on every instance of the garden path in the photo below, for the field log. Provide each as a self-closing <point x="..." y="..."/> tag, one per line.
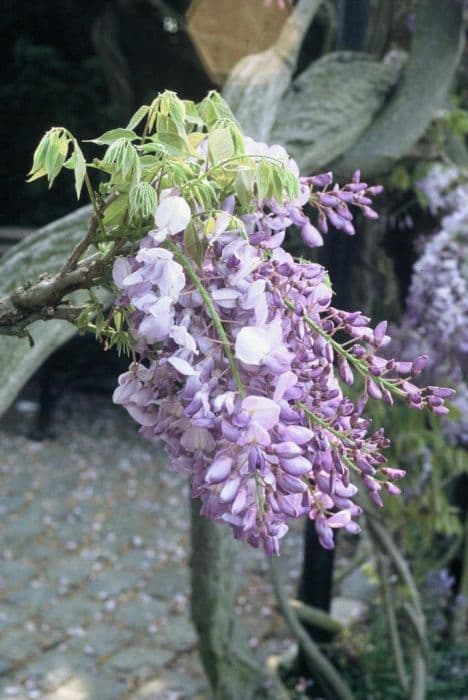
<point x="94" y="585"/>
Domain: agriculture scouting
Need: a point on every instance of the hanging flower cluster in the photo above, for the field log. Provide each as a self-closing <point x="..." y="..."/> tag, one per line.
<point x="436" y="318"/>
<point x="240" y="364"/>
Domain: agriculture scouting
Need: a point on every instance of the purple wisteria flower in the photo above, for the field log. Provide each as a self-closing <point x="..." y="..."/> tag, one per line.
<point x="436" y="317"/>
<point x="239" y="369"/>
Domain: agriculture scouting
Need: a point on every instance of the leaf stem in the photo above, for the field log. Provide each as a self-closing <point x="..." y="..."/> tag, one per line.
<point x="92" y="198"/>
<point x="186" y="264"/>
<point x="320" y="421"/>
<point x="357" y="363"/>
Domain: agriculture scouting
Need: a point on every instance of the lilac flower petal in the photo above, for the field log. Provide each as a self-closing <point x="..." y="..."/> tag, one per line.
<point x="297" y="466"/>
<point x="120" y="271"/>
<point x="219" y="470"/>
<point x="340" y="519"/>
<point x="229" y="490"/>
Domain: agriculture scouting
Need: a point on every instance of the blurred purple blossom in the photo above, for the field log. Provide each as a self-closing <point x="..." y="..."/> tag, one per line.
<point x="436" y="318"/>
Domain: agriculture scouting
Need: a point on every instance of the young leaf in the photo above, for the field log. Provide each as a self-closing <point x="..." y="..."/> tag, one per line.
<point x="264" y="180"/>
<point x="113" y="135"/>
<point x="244" y="185"/>
<point x="114" y="213"/>
<point x="192" y="115"/>
<point x="193" y="245"/>
<point x="56" y="155"/>
<point x="237" y="139"/>
<point x="172" y="143"/>
<point x="142" y="201"/>
<point x="162" y="123"/>
<point x="39" y="157"/>
<point x="79" y="168"/>
<point x="203" y="193"/>
<point x="36" y="175"/>
<point x="130" y="161"/>
<point x="124" y="156"/>
<point x="220" y="145"/>
<point x="290" y="183"/>
<point x="137" y="117"/>
<point x="195" y="138"/>
<point x="177" y="113"/>
<point x="70" y="162"/>
<point x="214" y="107"/>
<point x="278" y="185"/>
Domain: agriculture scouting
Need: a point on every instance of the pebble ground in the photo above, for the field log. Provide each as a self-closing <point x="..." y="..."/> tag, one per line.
<point x="94" y="585"/>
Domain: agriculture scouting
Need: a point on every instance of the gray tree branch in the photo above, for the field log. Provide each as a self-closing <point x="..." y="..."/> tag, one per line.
<point x="436" y="50"/>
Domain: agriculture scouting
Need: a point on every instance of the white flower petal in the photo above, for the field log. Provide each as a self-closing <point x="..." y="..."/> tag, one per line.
<point x="170" y="278"/>
<point x="152" y="255"/>
<point x="134" y="278"/>
<point x="183" y="367"/>
<point x="255" y="343"/>
<point x="183" y="338"/>
<point x="262" y="410"/>
<point x="173" y="213"/>
<point x="144" y="301"/>
<point x="226" y="298"/>
<point x="252" y="345"/>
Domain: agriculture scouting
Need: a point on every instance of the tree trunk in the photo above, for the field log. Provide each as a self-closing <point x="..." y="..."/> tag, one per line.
<point x="232" y="675"/>
<point x="315" y="588"/>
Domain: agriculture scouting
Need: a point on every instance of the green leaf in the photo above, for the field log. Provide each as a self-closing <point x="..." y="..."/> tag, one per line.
<point x="39" y="156"/>
<point x="70" y="162"/>
<point x="113" y="135"/>
<point x="220" y="145"/>
<point x="193" y="245"/>
<point x="291" y="183"/>
<point x="137" y="117"/>
<point x="264" y="179"/>
<point x="237" y="139"/>
<point x="195" y="138"/>
<point x="173" y="144"/>
<point x="277" y="185"/>
<point x="115" y="212"/>
<point x="203" y="193"/>
<point x="130" y="161"/>
<point x="36" y="175"/>
<point x="142" y="201"/>
<point x="79" y="168"/>
<point x="177" y="113"/>
<point x="124" y="156"/>
<point x="244" y="185"/>
<point x="208" y="112"/>
<point x="56" y="155"/>
<point x="192" y="115"/>
<point x="400" y="178"/>
<point x="214" y="107"/>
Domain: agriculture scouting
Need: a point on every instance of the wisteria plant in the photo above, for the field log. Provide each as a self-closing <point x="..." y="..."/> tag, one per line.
<point x="240" y="361"/>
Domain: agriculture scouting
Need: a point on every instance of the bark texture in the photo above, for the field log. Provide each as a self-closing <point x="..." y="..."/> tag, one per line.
<point x="329" y="106"/>
<point x="44" y="251"/>
<point x="223" y="649"/>
<point x="435" y="53"/>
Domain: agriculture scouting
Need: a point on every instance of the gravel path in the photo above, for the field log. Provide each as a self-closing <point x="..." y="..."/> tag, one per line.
<point x="94" y="588"/>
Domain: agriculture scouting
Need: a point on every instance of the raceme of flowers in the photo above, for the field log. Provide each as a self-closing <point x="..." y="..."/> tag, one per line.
<point x="240" y="371"/>
<point x="436" y="319"/>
